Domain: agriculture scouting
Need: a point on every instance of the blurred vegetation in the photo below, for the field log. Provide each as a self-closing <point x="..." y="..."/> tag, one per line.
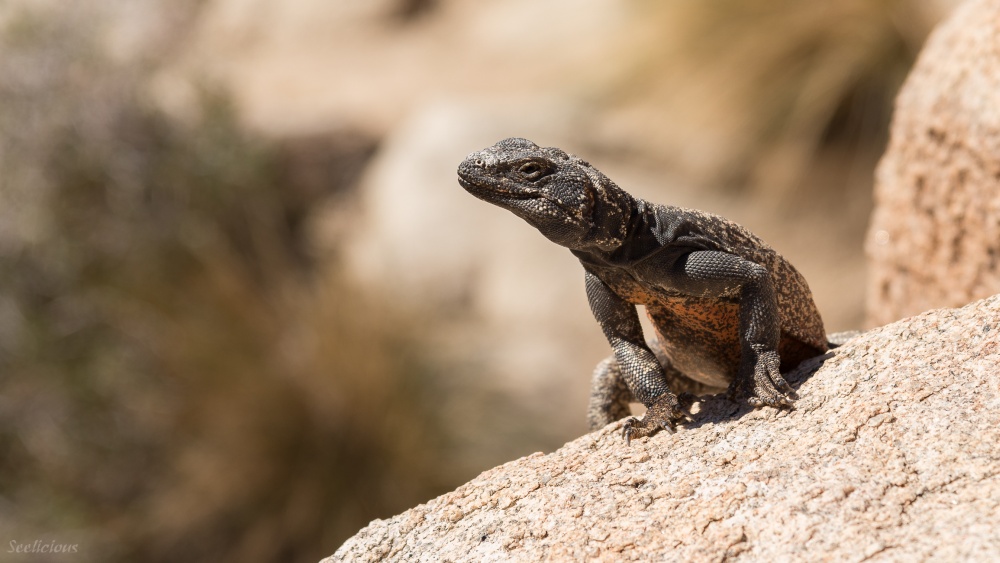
<point x="183" y="378"/>
<point x="179" y="379"/>
<point x="783" y="97"/>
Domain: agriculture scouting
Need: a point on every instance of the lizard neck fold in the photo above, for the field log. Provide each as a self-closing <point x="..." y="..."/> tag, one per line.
<point x="627" y="223"/>
<point x="611" y="213"/>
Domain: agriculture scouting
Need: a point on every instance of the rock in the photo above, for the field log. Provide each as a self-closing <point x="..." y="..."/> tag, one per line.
<point x="890" y="453"/>
<point x="934" y="239"/>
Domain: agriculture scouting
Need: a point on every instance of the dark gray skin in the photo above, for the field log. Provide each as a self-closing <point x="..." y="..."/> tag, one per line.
<point x="728" y="310"/>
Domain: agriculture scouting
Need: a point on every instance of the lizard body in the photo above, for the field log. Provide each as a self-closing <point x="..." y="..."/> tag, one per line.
<point x="727" y="309"/>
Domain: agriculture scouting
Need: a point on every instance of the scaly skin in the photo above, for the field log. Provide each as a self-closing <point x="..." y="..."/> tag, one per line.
<point x="728" y="310"/>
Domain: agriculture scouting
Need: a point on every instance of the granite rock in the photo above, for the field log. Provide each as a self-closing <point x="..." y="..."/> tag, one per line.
<point x="890" y="454"/>
<point x="934" y="239"/>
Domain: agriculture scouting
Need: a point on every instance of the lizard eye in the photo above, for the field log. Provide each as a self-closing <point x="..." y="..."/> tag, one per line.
<point x="531" y="170"/>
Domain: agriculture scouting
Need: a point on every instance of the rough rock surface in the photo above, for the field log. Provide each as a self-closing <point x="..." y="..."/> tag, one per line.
<point x="934" y="239"/>
<point x="891" y="454"/>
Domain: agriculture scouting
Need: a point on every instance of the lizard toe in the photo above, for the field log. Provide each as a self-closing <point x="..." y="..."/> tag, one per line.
<point x="662" y="414"/>
<point x="762" y="385"/>
<point x="630" y="428"/>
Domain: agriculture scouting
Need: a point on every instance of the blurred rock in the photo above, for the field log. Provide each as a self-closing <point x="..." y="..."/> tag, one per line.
<point x="423" y="239"/>
<point x="306" y="65"/>
<point x="728" y="94"/>
<point x="890" y="454"/>
<point x="785" y="96"/>
<point x="417" y="239"/>
<point x="934" y="238"/>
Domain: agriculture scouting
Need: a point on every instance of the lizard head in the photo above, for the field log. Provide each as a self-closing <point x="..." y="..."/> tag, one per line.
<point x="565" y="198"/>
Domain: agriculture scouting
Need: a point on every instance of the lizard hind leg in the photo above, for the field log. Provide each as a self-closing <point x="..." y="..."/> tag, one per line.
<point x="609" y="395"/>
<point x="668" y="409"/>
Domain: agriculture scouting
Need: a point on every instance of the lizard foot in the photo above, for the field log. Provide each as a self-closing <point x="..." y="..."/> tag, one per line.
<point x="762" y="384"/>
<point x="664" y="413"/>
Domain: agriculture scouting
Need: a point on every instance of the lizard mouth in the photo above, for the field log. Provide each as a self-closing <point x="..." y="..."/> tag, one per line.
<point x="476" y="188"/>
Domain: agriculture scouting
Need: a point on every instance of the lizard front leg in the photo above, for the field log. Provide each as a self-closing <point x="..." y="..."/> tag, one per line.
<point x="639" y="367"/>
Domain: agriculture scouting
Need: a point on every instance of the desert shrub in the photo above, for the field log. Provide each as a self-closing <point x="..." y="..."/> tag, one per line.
<point x="180" y="380"/>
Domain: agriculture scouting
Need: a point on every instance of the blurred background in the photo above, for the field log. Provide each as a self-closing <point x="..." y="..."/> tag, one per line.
<point x="245" y="307"/>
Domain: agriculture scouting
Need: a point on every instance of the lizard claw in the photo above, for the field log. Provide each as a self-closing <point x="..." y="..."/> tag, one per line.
<point x="685" y="401"/>
<point x="662" y="414"/>
<point x="762" y="384"/>
<point x="627" y="429"/>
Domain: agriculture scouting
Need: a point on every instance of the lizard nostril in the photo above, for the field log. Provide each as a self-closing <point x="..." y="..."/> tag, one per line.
<point x="479" y="162"/>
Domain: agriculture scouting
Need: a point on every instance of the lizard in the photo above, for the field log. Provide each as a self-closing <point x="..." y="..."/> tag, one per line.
<point x="727" y="309"/>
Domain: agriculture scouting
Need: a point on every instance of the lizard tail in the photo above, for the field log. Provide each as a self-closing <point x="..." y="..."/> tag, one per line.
<point x="838" y="339"/>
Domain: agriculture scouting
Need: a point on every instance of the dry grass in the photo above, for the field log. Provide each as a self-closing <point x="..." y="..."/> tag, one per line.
<point x="761" y="88"/>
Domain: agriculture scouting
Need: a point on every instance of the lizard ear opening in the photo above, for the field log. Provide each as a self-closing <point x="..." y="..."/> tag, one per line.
<point x="608" y="210"/>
